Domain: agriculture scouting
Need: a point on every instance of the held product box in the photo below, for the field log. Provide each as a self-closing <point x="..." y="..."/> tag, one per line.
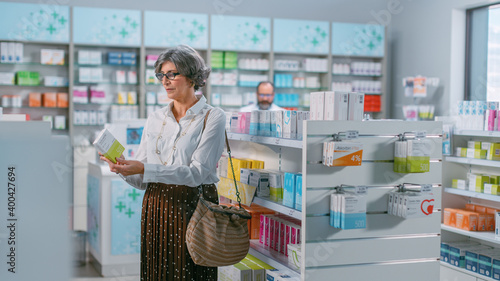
<point x="108" y="146"/>
<point x="356" y="106"/>
<point x="336" y="106"/>
<point x="290" y="124"/>
<point x="418" y="159"/>
<point x="289" y="190"/>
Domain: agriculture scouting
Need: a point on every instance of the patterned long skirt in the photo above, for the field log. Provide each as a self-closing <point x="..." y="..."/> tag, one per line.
<point x="166" y="210"/>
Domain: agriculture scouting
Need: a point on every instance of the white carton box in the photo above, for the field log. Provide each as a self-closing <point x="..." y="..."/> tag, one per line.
<point x="58" y="57"/>
<point x="11" y="52"/>
<point x="290" y="124"/>
<point x="317" y="105"/>
<point x="84" y="74"/>
<point x="96" y="74"/>
<point x="356" y="106"/>
<point x="294" y="255"/>
<point x="60" y="122"/>
<point x="497" y="226"/>
<point x="4" y="52"/>
<point x="95" y="57"/>
<point x="120" y="77"/>
<point x="336" y="106"/>
<point x="46" y="56"/>
<point x="301" y="116"/>
<point x="265" y="123"/>
<point x="83" y="57"/>
<point x="19" y="52"/>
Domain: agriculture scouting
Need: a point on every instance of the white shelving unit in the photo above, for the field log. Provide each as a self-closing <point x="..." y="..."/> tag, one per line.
<point x="268" y="203"/>
<point x="473" y="161"/>
<point x="270" y="257"/>
<point x="266" y="140"/>
<point x="457" y="168"/>
<point x="362" y="254"/>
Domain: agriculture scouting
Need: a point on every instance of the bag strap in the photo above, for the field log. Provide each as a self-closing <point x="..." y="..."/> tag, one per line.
<point x="230" y="160"/>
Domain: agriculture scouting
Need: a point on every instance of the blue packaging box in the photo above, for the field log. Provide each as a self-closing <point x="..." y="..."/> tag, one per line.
<point x="129" y="55"/>
<point x="289" y="190"/>
<point x="115" y="55"/>
<point x="471" y="261"/>
<point x="457" y="252"/>
<point x="445" y="252"/>
<point x="484" y="264"/>
<point x="495" y="269"/>
<point x="126" y="61"/>
<point x="298" y="192"/>
<point x="114" y="61"/>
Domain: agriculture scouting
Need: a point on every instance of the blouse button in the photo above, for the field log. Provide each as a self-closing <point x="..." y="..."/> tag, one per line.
<point x="157" y="152"/>
<point x="174" y="148"/>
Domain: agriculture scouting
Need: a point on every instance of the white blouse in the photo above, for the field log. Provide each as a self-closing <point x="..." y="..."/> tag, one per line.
<point x="193" y="160"/>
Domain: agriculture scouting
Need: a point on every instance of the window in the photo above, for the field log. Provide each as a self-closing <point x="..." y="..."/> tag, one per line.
<point x="482" y="81"/>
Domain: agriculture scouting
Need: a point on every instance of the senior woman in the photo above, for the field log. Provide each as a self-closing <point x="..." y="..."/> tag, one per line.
<point x="180" y="147"/>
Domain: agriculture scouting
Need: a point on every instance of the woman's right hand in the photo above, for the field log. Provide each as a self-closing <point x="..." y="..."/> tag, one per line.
<point x="112" y="166"/>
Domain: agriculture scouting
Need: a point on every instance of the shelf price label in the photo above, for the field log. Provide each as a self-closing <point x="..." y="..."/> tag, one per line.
<point x="426" y="188"/>
<point x="277" y="141"/>
<point x="291" y="213"/>
<point x="352" y="135"/>
<point x="361" y="190"/>
<point x="420" y="134"/>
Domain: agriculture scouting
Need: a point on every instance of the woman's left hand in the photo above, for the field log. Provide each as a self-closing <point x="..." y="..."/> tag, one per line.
<point x="125" y="167"/>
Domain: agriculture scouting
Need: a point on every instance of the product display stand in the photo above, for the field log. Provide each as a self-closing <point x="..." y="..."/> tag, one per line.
<point x="389" y="248"/>
<point x="457" y="168"/>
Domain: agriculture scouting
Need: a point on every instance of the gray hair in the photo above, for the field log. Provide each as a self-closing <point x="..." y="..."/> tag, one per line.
<point x="188" y="63"/>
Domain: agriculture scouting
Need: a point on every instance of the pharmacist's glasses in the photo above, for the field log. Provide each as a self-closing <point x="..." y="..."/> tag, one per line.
<point x="169" y="75"/>
<point x="265" y="95"/>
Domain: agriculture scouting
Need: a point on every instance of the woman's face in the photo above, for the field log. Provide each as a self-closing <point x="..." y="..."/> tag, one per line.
<point x="178" y="88"/>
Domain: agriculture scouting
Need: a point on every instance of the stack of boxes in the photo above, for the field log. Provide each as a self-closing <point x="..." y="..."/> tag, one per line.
<point x="409" y="205"/>
<point x="472" y="218"/>
<point x="122" y="58"/>
<point x="252" y="269"/>
<point x="277" y="231"/>
<point x="479" y="150"/>
<point x="27" y="78"/>
<point x="337" y="106"/>
<point x="472" y="256"/>
<point x="11" y="52"/>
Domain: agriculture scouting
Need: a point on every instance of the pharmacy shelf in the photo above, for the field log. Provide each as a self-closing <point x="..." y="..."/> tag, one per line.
<point x="472" y="161"/>
<point x="268" y="203"/>
<point x="78" y="83"/>
<point x="463" y="270"/>
<point x="266" y="140"/>
<point x="304" y="88"/>
<point x="488" y="236"/>
<point x="102" y="104"/>
<point x="106" y="65"/>
<point x="87" y="125"/>
<point x="233" y="86"/>
<point x="33" y="64"/>
<point x="271" y="257"/>
<point x="34" y="107"/>
<point x="40" y="86"/>
<point x="357" y="75"/>
<point x="301" y="71"/>
<point x="477" y="133"/>
<point x="239" y="69"/>
<point x="489" y="197"/>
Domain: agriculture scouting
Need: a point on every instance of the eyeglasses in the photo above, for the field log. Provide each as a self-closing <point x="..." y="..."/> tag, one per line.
<point x="265" y="95"/>
<point x="169" y="75"/>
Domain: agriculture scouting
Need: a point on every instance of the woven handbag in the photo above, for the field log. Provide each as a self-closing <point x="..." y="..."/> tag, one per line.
<point x="218" y="235"/>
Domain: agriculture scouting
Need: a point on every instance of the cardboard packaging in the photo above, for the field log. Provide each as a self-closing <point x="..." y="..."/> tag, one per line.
<point x="290" y="124"/>
<point x="356" y="106"/>
<point x="418" y="158"/>
<point x="49" y="99"/>
<point x="35" y="99"/>
<point x="107" y="145"/>
<point x="336" y="106"/>
<point x="62" y="100"/>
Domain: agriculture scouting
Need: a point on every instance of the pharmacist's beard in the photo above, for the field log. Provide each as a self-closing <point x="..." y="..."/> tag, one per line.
<point x="264" y="105"/>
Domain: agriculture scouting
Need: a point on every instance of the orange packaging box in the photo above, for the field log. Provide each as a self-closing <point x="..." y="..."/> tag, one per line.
<point x="450" y="217"/>
<point x="481" y="222"/>
<point x="480" y="209"/>
<point x="35" y="99"/>
<point x="62" y="100"/>
<point x="467" y="220"/>
<point x="470" y="207"/>
<point x="49" y="99"/>
<point x="492" y="211"/>
<point x="490" y="222"/>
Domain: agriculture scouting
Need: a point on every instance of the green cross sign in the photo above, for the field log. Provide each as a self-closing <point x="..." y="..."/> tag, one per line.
<point x="264" y="31"/>
<point x="191" y="36"/>
<point x="123" y="33"/>
<point x="195" y="23"/>
<point x="201" y="28"/>
<point x="323" y="34"/>
<point x="379" y="38"/>
<point x="62" y="20"/>
<point x="120" y="206"/>
<point x="371" y="45"/>
<point x="134" y="24"/>
<point x="314" y="42"/>
<point x="318" y="29"/>
<point x="258" y="26"/>
<point x="51" y="29"/>
<point x="129" y="213"/>
<point x="255" y="39"/>
<point x="55" y="15"/>
<point x="134" y="194"/>
<point x="127" y="19"/>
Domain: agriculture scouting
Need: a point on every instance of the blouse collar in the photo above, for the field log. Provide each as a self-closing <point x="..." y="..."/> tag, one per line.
<point x="195" y="109"/>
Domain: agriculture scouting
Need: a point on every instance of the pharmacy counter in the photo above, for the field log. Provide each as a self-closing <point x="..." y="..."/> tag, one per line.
<point x="113" y="222"/>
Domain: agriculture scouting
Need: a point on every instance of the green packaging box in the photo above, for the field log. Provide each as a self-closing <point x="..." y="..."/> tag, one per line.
<point x="474" y="144"/>
<point x="476" y="153"/>
<point x="276" y="194"/>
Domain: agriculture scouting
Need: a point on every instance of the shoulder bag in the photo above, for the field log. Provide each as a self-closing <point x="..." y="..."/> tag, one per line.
<point x="218" y="235"/>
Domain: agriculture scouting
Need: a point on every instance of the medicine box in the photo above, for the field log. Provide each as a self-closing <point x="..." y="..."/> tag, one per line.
<point x="289" y="190"/>
<point x="260" y="179"/>
<point x="276" y="183"/>
<point x="294" y="256"/>
<point x="458" y="249"/>
<point x="353" y="211"/>
<point x="495" y="268"/>
<point x="107" y="145"/>
<point x="345" y="154"/>
<point x="298" y="192"/>
<point x="356" y="106"/>
<point x="336" y="106"/>
<point x="60" y="122"/>
<point x="49" y="99"/>
<point x="62" y="100"/>
<point x="254" y="123"/>
<point x="35" y="99"/>
<point x="264" y="123"/>
<point x="418" y="157"/>
<point x="237" y="165"/>
<point x="317" y="107"/>
<point x="290" y="124"/>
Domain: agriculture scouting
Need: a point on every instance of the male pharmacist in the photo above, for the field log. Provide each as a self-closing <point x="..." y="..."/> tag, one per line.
<point x="265" y="98"/>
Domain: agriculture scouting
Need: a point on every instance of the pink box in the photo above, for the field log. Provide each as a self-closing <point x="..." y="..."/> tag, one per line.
<point x="266" y="231"/>
<point x="295" y="234"/>
<point x="262" y="236"/>
<point x="97" y="96"/>
<point x="492" y="115"/>
<point x="277" y="234"/>
<point x="271" y="232"/>
<point x="244" y="122"/>
<point x="288" y="232"/>
<point x="282" y="237"/>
